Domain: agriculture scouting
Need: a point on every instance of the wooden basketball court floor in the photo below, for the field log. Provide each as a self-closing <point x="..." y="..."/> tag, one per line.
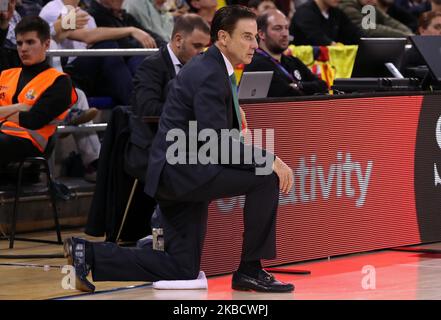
<point x="381" y="275"/>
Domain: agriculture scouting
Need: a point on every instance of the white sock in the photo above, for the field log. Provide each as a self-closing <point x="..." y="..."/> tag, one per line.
<point x="199" y="283"/>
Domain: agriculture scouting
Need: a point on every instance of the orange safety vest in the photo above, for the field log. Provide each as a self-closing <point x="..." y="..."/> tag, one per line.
<point x="30" y="94"/>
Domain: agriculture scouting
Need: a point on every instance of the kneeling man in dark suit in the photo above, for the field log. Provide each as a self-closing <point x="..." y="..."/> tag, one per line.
<point x="184" y="179"/>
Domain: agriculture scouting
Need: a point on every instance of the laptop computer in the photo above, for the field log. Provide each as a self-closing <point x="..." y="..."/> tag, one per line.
<point x="255" y="85"/>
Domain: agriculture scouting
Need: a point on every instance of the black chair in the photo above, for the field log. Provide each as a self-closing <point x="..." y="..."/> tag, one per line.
<point x="43" y="167"/>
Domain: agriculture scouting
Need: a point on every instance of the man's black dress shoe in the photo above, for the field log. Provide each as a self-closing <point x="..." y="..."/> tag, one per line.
<point x="75" y="252"/>
<point x="265" y="282"/>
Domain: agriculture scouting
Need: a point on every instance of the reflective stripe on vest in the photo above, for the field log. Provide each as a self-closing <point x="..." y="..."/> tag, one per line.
<point x="34" y="134"/>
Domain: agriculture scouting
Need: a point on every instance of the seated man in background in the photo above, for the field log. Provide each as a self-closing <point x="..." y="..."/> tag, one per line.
<point x="385" y="25"/>
<point x="190" y="36"/>
<point x="291" y="77"/>
<point x="322" y="23"/>
<point x="32" y="98"/>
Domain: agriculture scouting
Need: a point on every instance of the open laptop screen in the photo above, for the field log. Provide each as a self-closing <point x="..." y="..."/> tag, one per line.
<point x="255" y="85"/>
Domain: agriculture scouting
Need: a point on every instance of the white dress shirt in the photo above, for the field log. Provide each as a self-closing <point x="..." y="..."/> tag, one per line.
<point x="176" y="63"/>
<point x="230" y="68"/>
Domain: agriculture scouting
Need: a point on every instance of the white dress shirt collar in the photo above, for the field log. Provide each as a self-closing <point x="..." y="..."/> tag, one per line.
<point x="176" y="63"/>
<point x="228" y="64"/>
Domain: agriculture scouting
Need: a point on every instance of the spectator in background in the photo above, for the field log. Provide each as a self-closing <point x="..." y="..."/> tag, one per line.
<point x="152" y="15"/>
<point x="322" y="23"/>
<point x="398" y="13"/>
<point x="260" y="6"/>
<point x="385" y="26"/>
<point x="204" y="8"/>
<point x="87" y="143"/>
<point x="109" y="76"/>
<point x="291" y="77"/>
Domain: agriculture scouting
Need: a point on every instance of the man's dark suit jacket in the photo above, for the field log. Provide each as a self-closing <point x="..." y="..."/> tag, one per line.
<point x="201" y="92"/>
<point x="310" y="27"/>
<point x="280" y="83"/>
<point x="151" y="83"/>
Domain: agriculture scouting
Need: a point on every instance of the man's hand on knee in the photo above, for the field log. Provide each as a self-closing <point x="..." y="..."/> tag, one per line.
<point x="286" y="178"/>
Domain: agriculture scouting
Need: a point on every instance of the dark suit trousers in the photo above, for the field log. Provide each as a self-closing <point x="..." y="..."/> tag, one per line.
<point x="184" y="222"/>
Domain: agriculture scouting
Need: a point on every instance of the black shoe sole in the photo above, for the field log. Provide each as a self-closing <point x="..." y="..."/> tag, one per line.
<point x="84" y="285"/>
<point x="240" y="288"/>
<point x="259" y="289"/>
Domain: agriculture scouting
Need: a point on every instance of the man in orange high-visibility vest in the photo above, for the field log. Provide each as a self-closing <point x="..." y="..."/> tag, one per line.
<point x="33" y="98"/>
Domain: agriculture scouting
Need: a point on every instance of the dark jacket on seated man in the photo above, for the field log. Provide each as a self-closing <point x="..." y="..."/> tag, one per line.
<point x="151" y="83"/>
<point x="150" y="92"/>
<point x="307" y="82"/>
